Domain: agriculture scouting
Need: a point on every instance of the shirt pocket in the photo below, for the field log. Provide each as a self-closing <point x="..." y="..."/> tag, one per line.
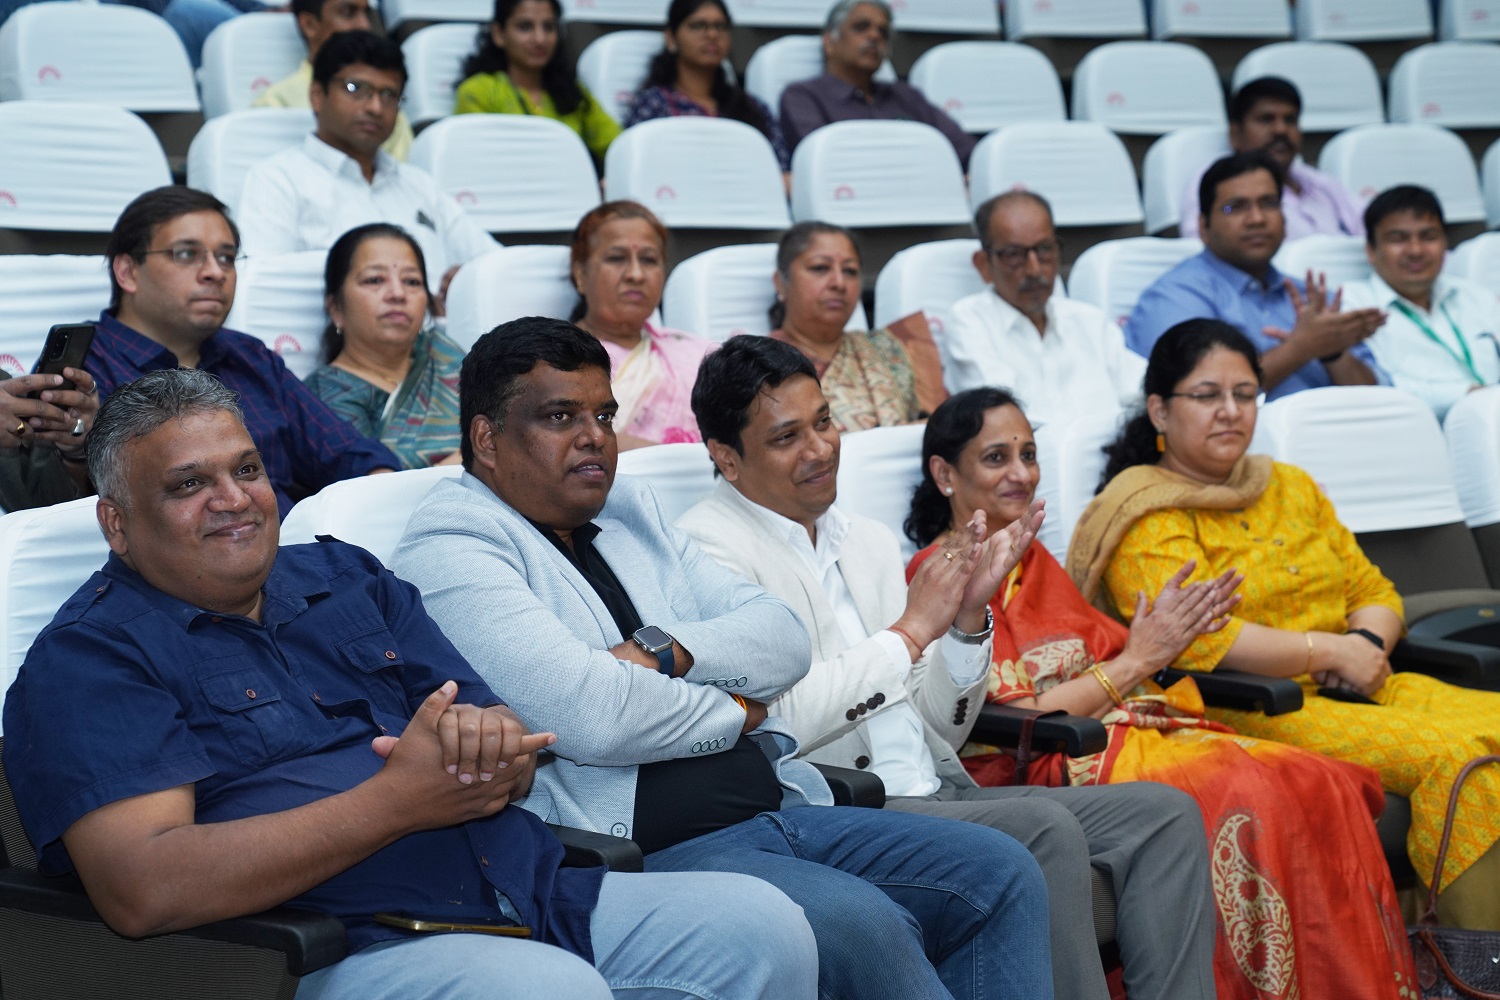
<point x="259" y="726"/>
<point x="376" y="659"/>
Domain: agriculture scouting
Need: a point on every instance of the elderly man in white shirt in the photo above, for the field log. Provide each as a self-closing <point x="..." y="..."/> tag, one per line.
<point x="340" y="178"/>
<point x="1053" y="352"/>
<point x="1439" y="338"/>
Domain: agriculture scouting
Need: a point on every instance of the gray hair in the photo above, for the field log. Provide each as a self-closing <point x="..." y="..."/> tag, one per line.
<point x="984" y="212"/>
<point x="839" y="13"/>
<point x="137" y="408"/>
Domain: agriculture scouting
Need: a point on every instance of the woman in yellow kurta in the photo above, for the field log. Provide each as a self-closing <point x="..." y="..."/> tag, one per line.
<point x="1299" y="914"/>
<point x="1180" y="487"/>
<point x="521" y="68"/>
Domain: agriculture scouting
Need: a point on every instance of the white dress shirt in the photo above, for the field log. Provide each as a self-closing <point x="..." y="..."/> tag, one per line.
<point x="898" y="747"/>
<point x="305" y="199"/>
<point x="1082" y="360"/>
<point x="1435" y="373"/>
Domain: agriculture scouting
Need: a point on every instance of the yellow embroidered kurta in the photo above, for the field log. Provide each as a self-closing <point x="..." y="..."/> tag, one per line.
<point x="1305" y="572"/>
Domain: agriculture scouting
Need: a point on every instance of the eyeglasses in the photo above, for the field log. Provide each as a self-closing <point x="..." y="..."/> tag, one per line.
<point x="1014" y="256"/>
<point x="707" y="27"/>
<point x="188" y="255"/>
<point x="364" y="92"/>
<point x="1239" y="206"/>
<point x="1241" y="397"/>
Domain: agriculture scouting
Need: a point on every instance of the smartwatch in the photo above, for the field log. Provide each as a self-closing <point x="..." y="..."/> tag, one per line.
<point x="656" y="642"/>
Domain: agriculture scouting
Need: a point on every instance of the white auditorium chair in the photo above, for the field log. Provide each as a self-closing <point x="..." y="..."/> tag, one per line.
<point x="727" y="291"/>
<point x="1478" y="259"/>
<point x="1363" y="20"/>
<point x="1148" y="88"/>
<point x="396" y="13"/>
<point x="1489" y="168"/>
<point x="680" y="474"/>
<point x="1171" y="164"/>
<point x="1221" y="19"/>
<point x="1071" y="459"/>
<point x="1371" y="158"/>
<point x="1341" y="259"/>
<point x="984" y="85"/>
<point x="699" y="173"/>
<point x="614" y="66"/>
<point x="1453" y="84"/>
<point x="245" y="55"/>
<point x="370" y="511"/>
<point x="1338" y="84"/>
<point x="953" y="17"/>
<point x="1472" y="431"/>
<point x="99" y="53"/>
<point x="1113" y="274"/>
<point x="927" y="278"/>
<point x="434" y="68"/>
<point x="642" y="12"/>
<point x="878" y="173"/>
<point x="506" y="284"/>
<point x="879" y="469"/>
<point x="226" y="147"/>
<point x="510" y="173"/>
<point x="46" y="554"/>
<point x="42" y="290"/>
<point x="788" y="59"/>
<point x="279" y="298"/>
<point x="779" y="14"/>
<point x="1081" y="168"/>
<point x="1075" y="19"/>
<point x="1469" y="20"/>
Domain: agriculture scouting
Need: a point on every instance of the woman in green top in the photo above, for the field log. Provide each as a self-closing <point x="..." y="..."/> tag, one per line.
<point x="521" y="68"/>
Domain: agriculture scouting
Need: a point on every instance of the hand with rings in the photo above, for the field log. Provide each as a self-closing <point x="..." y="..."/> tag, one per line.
<point x="55" y="416"/>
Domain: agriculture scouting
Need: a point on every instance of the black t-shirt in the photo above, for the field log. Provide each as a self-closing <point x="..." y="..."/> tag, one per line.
<point x="676" y="800"/>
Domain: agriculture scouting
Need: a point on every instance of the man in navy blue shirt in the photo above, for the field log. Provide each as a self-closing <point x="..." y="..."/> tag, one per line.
<point x="212" y="726"/>
<point x="172" y="262"/>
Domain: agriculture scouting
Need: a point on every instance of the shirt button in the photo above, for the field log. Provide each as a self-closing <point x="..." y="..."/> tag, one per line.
<point x="1293" y="570"/>
<point x="384" y="730"/>
<point x="618" y="830"/>
<point x="216" y="618"/>
<point x="98" y="590"/>
<point x="317" y="698"/>
<point x="250" y="693"/>
<point x="851" y="715"/>
<point x="861" y="762"/>
<point x="390" y="655"/>
<point x="484" y="860"/>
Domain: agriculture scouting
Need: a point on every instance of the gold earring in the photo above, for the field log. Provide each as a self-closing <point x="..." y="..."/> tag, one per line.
<point x="1161" y="442"/>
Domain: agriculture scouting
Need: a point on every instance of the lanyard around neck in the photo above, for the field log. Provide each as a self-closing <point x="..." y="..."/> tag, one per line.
<point x="1466" y="360"/>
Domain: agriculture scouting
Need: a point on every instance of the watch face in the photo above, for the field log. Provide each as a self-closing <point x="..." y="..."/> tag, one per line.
<point x="653" y="638"/>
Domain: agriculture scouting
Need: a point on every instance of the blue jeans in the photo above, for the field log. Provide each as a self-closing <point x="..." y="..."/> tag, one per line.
<point x="903" y="906"/>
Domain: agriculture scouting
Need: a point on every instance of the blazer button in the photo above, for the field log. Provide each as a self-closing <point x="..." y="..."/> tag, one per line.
<point x="958" y="719"/>
<point x="618" y="830"/>
<point x="860" y="709"/>
<point x="879" y="699"/>
<point x="963" y="703"/>
<point x="851" y="715"/>
<point x="872" y="704"/>
<point x="861" y="762"/>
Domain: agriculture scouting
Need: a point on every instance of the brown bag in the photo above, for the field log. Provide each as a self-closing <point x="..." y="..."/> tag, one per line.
<point x="1453" y="964"/>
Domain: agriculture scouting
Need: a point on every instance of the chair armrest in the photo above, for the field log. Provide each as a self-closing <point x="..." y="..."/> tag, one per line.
<point x="586" y="849"/>
<point x="1463" y="663"/>
<point x="1054" y="732"/>
<point x="853" y="788"/>
<point x="310" y="941"/>
<point x="1245" y="692"/>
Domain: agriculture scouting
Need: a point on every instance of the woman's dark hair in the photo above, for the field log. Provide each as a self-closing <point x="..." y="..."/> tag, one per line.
<point x="582" y="243"/>
<point x="341" y="261"/>
<point x="559" y="78"/>
<point x="949" y="430"/>
<point x="734" y="102"/>
<point x="1173" y="359"/>
<point x="794" y="243"/>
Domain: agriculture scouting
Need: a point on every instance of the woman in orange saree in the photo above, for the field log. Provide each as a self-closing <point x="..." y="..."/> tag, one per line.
<point x="1304" y="899"/>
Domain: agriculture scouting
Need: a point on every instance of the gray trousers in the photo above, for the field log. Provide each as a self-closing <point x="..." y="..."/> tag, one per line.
<point x="1149" y="842"/>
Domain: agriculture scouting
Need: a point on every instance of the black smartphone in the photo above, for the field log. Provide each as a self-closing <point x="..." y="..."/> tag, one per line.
<point x="424" y="926"/>
<point x="67" y="345"/>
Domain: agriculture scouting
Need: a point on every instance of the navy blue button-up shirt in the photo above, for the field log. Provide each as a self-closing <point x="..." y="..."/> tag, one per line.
<point x="130" y="691"/>
<point x="305" y="444"/>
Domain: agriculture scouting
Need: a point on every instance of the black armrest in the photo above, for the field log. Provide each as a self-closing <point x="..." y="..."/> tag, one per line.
<point x="1463" y="663"/>
<point x="1245" y="692"/>
<point x="309" y="940"/>
<point x="586" y="849"/>
<point x="853" y="788"/>
<point x="1054" y="732"/>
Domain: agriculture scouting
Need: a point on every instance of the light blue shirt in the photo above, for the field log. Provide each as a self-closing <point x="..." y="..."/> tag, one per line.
<point x="1205" y="286"/>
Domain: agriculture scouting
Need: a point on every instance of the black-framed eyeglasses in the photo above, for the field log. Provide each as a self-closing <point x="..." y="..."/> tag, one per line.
<point x="364" y="92"/>
<point x="189" y="255"/>
<point x="1014" y="255"/>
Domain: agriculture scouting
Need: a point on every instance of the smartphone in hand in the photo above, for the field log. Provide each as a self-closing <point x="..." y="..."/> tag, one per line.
<point x="67" y="345"/>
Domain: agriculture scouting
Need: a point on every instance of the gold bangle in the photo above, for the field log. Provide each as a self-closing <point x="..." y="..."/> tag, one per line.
<point x="1107" y="684"/>
<point x="1308" y="637"/>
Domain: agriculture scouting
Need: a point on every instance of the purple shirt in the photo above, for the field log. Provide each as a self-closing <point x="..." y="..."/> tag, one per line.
<point x="1323" y="207"/>
<point x="811" y="104"/>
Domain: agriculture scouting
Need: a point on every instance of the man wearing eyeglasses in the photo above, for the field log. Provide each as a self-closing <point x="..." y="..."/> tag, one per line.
<point x="1306" y="340"/>
<point x="339" y="178"/>
<point x="1053" y="351"/>
<point x="173" y="258"/>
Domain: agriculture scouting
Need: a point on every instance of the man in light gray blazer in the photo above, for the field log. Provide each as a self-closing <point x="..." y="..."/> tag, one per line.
<point x="899" y="675"/>
<point x="652" y="664"/>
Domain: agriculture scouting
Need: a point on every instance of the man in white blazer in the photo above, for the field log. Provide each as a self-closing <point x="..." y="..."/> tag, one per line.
<point x="898" y="677"/>
<point x="569" y="593"/>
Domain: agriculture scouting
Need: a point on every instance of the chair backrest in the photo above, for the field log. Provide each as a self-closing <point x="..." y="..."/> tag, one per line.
<point x="1338" y="83"/>
<point x="647" y="12"/>
<point x="1371" y="158"/>
<point x="1477" y="259"/>
<point x="879" y="470"/>
<point x="505" y="284"/>
<point x="1148" y="88"/>
<point x="1363" y="20"/>
<point x="370" y="511"/>
<point x="984" y="85"/>
<point x="1455" y="84"/>
<point x="511" y="173"/>
<point x="1071" y="459"/>
<point x="226" y="147"/>
<point x="959" y="17"/>
<point x="784" y="61"/>
<point x="434" y="66"/>
<point x="39" y="291"/>
<point x="683" y="168"/>
<point x="1489" y="169"/>
<point x="1113" y="274"/>
<point x="878" y="173"/>
<point x="1469" y="20"/>
<point x="1221" y="19"/>
<point x="74" y="167"/>
<point x="930" y="278"/>
<point x="614" y="66"/>
<point x="680" y="474"/>
<point x="1170" y="166"/>
<point x="776" y="14"/>
<point x="279" y="298"/>
<point x="244" y="55"/>
<point x="395" y="13"/>
<point x="100" y="53"/>
<point x="1340" y="258"/>
<point x="727" y="291"/>
<point x="1081" y="168"/>
<point x="1472" y="430"/>
<point x="1076" y="19"/>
